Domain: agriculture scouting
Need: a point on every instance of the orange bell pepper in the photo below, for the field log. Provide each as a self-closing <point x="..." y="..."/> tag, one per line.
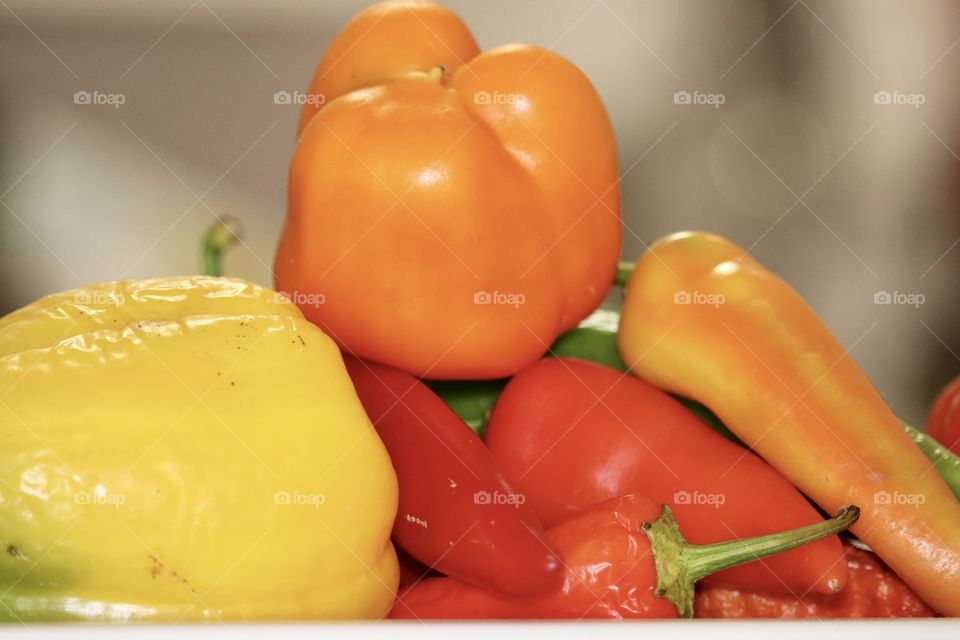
<point x="701" y="318"/>
<point x="441" y="199"/>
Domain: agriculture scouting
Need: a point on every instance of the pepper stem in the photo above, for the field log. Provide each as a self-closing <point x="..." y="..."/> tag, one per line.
<point x="624" y="271"/>
<point x="438" y="73"/>
<point x="221" y="235"/>
<point x="680" y="564"/>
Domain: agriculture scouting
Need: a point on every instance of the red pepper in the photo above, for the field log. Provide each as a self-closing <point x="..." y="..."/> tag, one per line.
<point x="456" y="512"/>
<point x="412" y="570"/>
<point x="569" y="434"/>
<point x="944" y="421"/>
<point x="873" y="591"/>
<point x="623" y="558"/>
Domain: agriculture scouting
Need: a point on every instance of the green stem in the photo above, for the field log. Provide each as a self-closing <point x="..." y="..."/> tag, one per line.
<point x="222" y="235"/>
<point x="680" y="564"/>
<point x="624" y="271"/>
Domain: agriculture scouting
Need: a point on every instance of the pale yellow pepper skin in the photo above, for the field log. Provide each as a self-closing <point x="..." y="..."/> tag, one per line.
<point x="181" y="449"/>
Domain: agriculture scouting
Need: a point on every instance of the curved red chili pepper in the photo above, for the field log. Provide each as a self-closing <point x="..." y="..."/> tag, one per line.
<point x="456" y="513"/>
<point x="610" y="573"/>
<point x="623" y="558"/>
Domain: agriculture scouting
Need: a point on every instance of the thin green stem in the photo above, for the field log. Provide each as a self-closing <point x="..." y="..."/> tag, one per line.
<point x="706" y="559"/>
<point x="222" y="235"/>
<point x="680" y="564"/>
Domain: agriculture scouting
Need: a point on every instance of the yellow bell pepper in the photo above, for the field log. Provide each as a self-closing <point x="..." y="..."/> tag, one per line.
<point x="186" y="448"/>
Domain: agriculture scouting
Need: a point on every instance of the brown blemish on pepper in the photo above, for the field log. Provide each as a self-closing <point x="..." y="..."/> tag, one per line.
<point x="300" y="338"/>
<point x="158" y="567"/>
<point x="13" y="551"/>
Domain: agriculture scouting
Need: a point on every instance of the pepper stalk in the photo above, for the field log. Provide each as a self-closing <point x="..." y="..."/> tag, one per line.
<point x="222" y="235"/>
<point x="680" y="565"/>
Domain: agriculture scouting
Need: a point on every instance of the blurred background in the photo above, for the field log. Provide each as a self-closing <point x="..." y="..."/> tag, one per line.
<point x="820" y="135"/>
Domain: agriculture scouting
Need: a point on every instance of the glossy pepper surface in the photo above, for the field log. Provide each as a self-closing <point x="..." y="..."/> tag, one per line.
<point x="873" y="591"/>
<point x="457" y="514"/>
<point x="570" y="434"/>
<point x="623" y="558"/>
<point x="751" y="349"/>
<point x="944" y="421"/>
<point x="186" y="448"/>
<point x="455" y="220"/>
<point x="594" y="340"/>
<point x="608" y="573"/>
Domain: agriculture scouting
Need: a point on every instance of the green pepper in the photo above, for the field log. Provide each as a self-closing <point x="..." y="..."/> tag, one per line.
<point x="946" y="462"/>
<point x="472" y="400"/>
<point x="595" y="339"/>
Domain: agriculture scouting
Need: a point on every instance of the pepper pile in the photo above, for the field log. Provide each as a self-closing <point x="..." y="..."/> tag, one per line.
<point x="574" y="451"/>
<point x="449" y="387"/>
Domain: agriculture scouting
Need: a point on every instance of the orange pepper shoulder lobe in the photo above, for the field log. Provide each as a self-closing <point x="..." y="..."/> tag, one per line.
<point x="385" y="41"/>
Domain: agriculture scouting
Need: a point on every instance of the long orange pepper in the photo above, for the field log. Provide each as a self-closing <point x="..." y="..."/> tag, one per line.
<point x="703" y="319"/>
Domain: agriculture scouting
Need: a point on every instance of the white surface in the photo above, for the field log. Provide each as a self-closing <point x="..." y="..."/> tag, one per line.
<point x="673" y="629"/>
